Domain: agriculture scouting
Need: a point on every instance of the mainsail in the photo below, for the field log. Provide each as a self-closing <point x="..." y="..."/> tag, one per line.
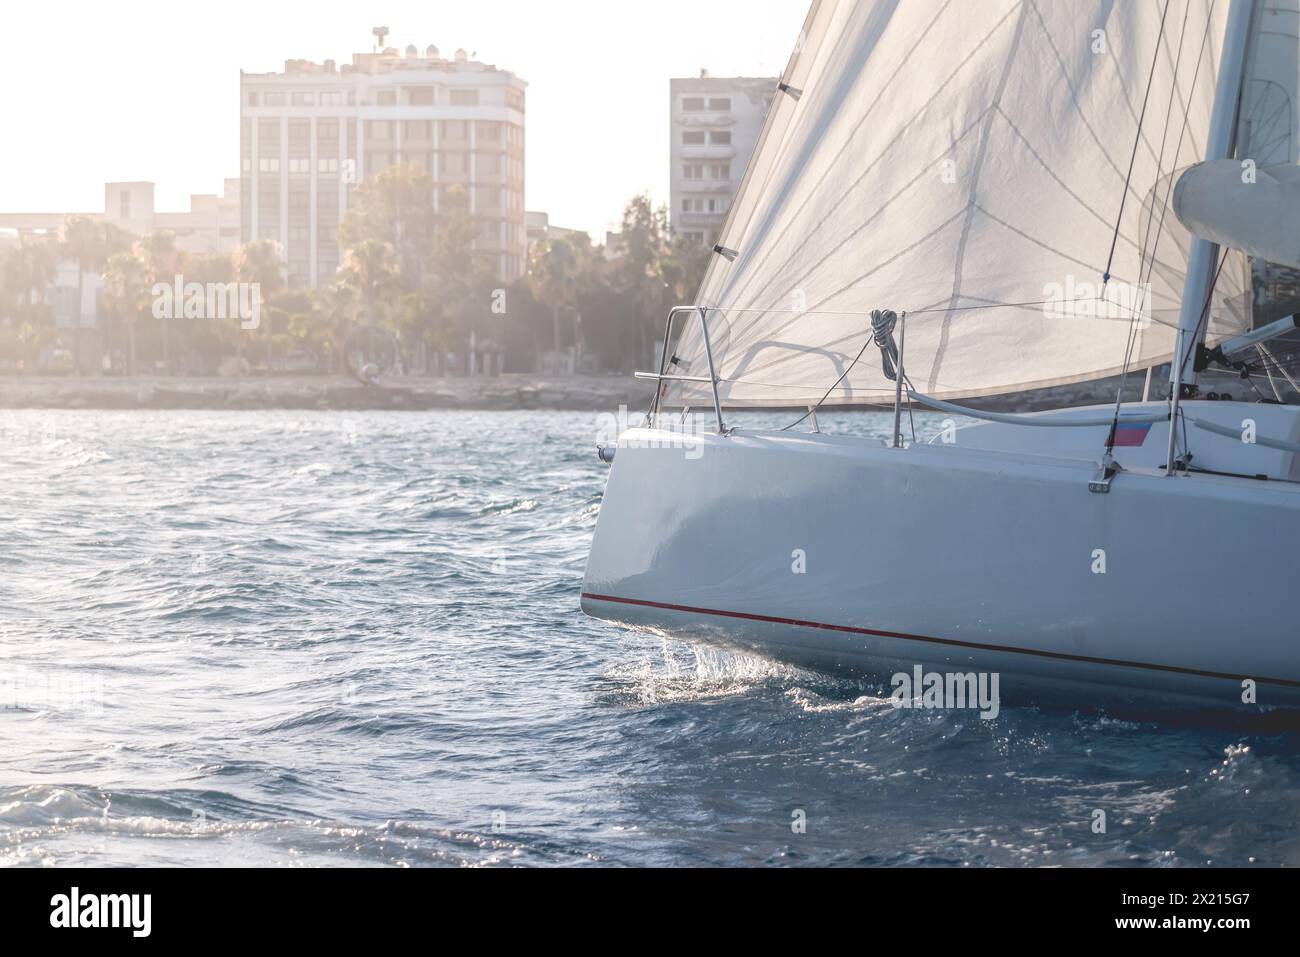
<point x="975" y="167"/>
<point x="1246" y="208"/>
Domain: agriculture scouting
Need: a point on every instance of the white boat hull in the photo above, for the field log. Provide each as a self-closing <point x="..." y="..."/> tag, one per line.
<point x="842" y="555"/>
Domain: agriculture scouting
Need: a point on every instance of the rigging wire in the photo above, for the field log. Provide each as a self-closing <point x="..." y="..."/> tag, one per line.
<point x="853" y="365"/>
<point x="808" y="415"/>
<point x="1137" y="142"/>
<point x="1131" y="343"/>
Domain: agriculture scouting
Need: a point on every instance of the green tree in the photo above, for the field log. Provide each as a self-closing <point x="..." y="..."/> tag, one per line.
<point x="644" y="244"/>
<point x="460" y="284"/>
<point x="395" y="207"/>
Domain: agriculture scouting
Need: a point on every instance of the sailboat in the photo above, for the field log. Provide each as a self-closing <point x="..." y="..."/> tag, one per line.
<point x="953" y="202"/>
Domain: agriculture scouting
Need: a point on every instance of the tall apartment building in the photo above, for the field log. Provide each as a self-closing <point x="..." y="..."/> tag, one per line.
<point x="310" y="135"/>
<point x="716" y="123"/>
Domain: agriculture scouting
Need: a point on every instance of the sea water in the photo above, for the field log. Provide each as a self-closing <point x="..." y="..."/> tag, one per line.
<point x="280" y="638"/>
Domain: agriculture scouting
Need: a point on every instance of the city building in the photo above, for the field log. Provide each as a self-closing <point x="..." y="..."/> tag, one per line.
<point x="716" y="122"/>
<point x="540" y="228"/>
<point x="311" y="135"/>
<point x="211" y="225"/>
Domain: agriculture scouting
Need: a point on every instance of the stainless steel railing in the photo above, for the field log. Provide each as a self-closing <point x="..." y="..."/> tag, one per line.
<point x="663" y="376"/>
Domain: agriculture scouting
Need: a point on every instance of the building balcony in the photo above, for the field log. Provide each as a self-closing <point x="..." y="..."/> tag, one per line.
<point x="705" y="120"/>
<point x="706" y="186"/>
<point x="700" y="219"/>
<point x="706" y="152"/>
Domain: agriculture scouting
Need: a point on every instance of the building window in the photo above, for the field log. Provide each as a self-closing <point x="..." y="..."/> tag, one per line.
<point x="327" y="165"/>
<point x="418" y="129"/>
<point x="419" y="95"/>
<point x="387" y="98"/>
<point x="464" y="97"/>
<point x="720" y="170"/>
<point x="124" y="204"/>
<point x="252" y="99"/>
<point x="720" y="105"/>
<point x="331" y="99"/>
<point x="455" y="130"/>
<point x="454" y="164"/>
<point x="274" y="99"/>
<point x="720" y="137"/>
<point x="693" y="138"/>
<point x="693" y="104"/>
<point x="693" y="171"/>
<point x="686" y="206"/>
<point x="304" y="99"/>
<point x="247" y="165"/>
<point x="328" y="129"/>
<point x="489" y="131"/>
<point x="268" y="164"/>
<point x="514" y="99"/>
<point x="299" y="166"/>
<point x="300" y="130"/>
<point x="379" y="129"/>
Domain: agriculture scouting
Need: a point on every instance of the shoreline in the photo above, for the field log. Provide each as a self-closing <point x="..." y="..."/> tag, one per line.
<point x="322" y="393"/>
<point x="413" y="394"/>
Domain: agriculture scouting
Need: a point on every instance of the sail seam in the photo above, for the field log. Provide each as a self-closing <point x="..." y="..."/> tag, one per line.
<point x="742" y="290"/>
<point x="981" y="158"/>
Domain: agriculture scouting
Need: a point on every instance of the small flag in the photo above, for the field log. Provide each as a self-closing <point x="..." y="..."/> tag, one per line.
<point x="1132" y="436"/>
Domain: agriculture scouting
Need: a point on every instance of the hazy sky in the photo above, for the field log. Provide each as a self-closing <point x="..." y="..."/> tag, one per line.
<point x="147" y="90"/>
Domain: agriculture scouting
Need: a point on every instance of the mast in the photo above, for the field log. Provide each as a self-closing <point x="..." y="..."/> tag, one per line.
<point x="1204" y="259"/>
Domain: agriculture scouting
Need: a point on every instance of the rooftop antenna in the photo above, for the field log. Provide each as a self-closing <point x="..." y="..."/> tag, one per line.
<point x="380" y="34"/>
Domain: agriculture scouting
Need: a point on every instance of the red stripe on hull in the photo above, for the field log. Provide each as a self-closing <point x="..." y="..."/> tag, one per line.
<point x="872" y="633"/>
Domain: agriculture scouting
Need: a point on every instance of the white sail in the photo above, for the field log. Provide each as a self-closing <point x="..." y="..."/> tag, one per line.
<point x="968" y="165"/>
<point x="1253" y="210"/>
<point x="1269" y="132"/>
<point x="1270" y="111"/>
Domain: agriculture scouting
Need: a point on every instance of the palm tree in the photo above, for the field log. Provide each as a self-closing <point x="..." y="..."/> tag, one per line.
<point x="89" y="244"/>
<point x="371" y="269"/>
<point x="161" y="260"/>
<point x="216" y="268"/>
<point x="29" y="271"/>
<point x="125" y="285"/>
<point x="261" y="263"/>
<point x="337" y="306"/>
<point x="552" y="277"/>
